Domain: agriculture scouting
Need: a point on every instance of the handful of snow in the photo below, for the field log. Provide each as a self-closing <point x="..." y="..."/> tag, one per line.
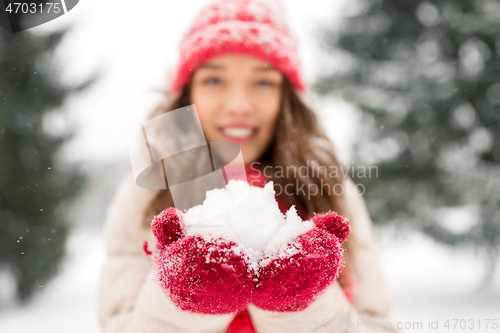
<point x="253" y="221"/>
<point x="238" y="248"/>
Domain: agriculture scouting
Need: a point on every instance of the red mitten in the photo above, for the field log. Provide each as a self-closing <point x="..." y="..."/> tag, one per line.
<point x="291" y="280"/>
<point x="199" y="275"/>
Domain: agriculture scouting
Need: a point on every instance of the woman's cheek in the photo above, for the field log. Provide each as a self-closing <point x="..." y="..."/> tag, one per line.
<point x="210" y="130"/>
<point x="265" y="137"/>
<point x="204" y="107"/>
<point x="206" y="121"/>
<point x="268" y="136"/>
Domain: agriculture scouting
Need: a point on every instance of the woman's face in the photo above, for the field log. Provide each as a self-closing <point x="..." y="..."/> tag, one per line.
<point x="238" y="100"/>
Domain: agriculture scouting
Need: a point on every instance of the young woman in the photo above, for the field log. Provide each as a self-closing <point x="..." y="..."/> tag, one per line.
<point x="239" y="67"/>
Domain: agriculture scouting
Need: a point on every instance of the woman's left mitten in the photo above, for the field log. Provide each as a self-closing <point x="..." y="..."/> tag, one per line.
<point x="199" y="275"/>
<point x="291" y="280"/>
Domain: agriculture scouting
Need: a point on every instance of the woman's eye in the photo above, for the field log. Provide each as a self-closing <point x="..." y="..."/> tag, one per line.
<point x="265" y="83"/>
<point x="212" y="81"/>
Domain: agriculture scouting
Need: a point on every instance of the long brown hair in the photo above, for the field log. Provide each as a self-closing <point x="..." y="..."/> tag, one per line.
<point x="299" y="142"/>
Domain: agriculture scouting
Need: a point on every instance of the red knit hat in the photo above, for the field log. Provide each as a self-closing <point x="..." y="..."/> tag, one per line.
<point x="253" y="27"/>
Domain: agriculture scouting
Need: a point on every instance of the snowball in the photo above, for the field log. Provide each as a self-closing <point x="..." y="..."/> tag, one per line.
<point x="249" y="216"/>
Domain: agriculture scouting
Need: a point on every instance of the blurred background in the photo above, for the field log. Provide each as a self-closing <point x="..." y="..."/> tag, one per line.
<point x="411" y="87"/>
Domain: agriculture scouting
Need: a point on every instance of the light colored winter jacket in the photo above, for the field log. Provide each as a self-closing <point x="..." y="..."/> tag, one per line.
<point x="131" y="302"/>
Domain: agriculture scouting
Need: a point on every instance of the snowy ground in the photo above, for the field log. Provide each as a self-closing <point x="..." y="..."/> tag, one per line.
<point x="428" y="282"/>
<point x="68" y="302"/>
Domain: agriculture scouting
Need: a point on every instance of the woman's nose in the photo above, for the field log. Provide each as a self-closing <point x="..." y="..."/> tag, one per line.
<point x="238" y="103"/>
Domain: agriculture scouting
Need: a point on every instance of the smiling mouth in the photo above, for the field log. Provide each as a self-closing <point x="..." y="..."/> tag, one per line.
<point x="239" y="134"/>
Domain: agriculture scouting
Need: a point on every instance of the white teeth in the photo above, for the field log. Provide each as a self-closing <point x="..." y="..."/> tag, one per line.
<point x="239" y="133"/>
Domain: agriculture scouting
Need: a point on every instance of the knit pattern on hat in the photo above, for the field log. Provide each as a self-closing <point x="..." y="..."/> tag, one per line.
<point x="253" y="27"/>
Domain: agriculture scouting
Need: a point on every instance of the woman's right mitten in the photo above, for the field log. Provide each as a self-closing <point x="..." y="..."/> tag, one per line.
<point x="199" y="275"/>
